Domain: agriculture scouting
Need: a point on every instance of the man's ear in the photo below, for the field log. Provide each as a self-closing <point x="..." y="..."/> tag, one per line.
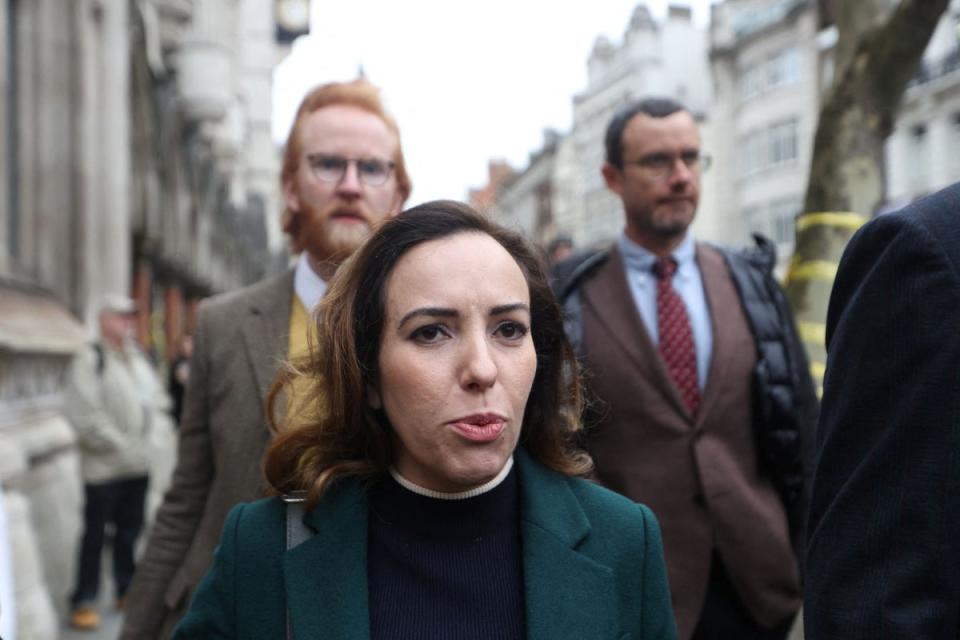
<point x="290" y="196"/>
<point x="613" y="178"/>
<point x="399" y="199"/>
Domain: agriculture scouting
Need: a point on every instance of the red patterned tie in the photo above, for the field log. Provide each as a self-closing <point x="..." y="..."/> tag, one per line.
<point x="676" y="336"/>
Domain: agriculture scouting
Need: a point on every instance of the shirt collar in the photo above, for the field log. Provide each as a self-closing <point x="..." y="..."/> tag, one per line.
<point x="637" y="258"/>
<point x="308" y="286"/>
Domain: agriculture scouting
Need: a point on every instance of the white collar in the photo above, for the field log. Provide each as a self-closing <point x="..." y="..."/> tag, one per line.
<point x="457" y="495"/>
<point x="641" y="259"/>
<point x="308" y="286"/>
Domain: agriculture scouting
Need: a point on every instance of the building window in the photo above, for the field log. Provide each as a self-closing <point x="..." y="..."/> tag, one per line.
<point x="770" y="147"/>
<point x="783" y="142"/>
<point x="779" y="70"/>
<point x="783" y="214"/>
<point x="753" y="149"/>
<point x="751" y="82"/>
<point x="783" y="68"/>
<point x="544" y="199"/>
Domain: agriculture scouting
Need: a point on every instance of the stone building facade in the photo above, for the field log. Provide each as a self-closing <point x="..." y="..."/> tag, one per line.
<point x="541" y="200"/>
<point x="135" y="157"/>
<point x="771" y="64"/>
<point x="756" y="78"/>
<point x="562" y="191"/>
<point x="767" y="76"/>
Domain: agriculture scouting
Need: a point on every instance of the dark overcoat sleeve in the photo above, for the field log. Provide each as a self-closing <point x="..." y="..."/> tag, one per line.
<point x="884" y="543"/>
<point x="213" y="610"/>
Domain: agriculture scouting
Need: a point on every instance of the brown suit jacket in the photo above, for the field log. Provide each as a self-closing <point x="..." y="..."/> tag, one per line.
<point x="241" y="339"/>
<point x="699" y="475"/>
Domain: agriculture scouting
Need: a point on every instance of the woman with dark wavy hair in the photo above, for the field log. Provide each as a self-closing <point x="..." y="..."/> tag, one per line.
<point x="434" y="448"/>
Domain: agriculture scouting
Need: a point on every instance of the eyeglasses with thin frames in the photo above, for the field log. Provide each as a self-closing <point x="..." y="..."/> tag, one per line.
<point x="372" y="172"/>
<point x="660" y="165"/>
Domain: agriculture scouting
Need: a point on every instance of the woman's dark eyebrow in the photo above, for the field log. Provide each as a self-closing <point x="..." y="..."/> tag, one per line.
<point x="441" y="312"/>
<point x="432" y="312"/>
<point x="507" y="308"/>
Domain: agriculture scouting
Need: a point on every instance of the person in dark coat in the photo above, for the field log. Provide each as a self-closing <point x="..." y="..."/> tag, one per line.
<point x="884" y="545"/>
<point x="438" y="472"/>
<point x="180" y="375"/>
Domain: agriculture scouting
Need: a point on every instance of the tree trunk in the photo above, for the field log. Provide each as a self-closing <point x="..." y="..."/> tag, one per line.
<point x="879" y="47"/>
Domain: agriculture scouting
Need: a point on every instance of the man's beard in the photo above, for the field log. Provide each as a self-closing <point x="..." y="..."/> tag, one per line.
<point x="327" y="239"/>
<point x="662" y="222"/>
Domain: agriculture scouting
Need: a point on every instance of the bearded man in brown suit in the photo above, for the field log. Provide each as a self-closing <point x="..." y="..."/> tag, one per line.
<point x="702" y="398"/>
<point x="343" y="173"/>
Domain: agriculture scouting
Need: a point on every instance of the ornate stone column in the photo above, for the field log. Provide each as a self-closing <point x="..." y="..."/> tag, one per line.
<point x="39" y="464"/>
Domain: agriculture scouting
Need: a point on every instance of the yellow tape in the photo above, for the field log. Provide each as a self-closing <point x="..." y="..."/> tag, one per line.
<point x="813" y="270"/>
<point x="843" y="220"/>
<point x="817" y="369"/>
<point x="813" y="332"/>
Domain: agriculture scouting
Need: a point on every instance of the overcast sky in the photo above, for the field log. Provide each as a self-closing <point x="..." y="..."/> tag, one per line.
<point x="467" y="81"/>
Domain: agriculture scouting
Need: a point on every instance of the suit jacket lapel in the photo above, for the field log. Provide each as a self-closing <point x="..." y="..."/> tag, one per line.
<point x="609" y="293"/>
<point x="713" y="270"/>
<point x="560" y="582"/>
<point x="326" y="576"/>
<point x="266" y="330"/>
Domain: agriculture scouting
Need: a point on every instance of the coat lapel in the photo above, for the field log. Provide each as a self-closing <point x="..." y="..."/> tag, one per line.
<point x="326" y="576"/>
<point x="266" y="330"/>
<point x="713" y="271"/>
<point x="560" y="582"/>
<point x="610" y="293"/>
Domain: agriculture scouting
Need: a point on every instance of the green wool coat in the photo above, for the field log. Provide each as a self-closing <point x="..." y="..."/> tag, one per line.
<point x="593" y="568"/>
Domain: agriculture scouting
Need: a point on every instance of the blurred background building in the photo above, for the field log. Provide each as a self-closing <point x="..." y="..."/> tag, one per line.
<point x="755" y="77"/>
<point x="561" y="190"/>
<point x="135" y="157"/>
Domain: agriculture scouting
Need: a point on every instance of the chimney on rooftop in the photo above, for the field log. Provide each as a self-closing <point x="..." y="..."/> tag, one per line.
<point x="680" y="13"/>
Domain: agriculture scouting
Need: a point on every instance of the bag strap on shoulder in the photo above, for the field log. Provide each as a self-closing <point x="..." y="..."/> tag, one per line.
<point x="297" y="531"/>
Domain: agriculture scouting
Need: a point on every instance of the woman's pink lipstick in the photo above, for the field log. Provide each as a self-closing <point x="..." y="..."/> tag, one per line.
<point x="479" y="428"/>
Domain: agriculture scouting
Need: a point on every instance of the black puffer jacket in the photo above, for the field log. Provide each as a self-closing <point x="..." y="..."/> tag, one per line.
<point x="785" y="402"/>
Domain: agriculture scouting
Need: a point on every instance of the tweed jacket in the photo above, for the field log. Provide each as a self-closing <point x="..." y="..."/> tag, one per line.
<point x="884" y="520"/>
<point x="700" y="474"/>
<point x="592" y="568"/>
<point x="241" y="338"/>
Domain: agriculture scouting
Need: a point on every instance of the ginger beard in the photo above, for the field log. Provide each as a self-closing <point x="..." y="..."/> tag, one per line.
<point x="331" y="233"/>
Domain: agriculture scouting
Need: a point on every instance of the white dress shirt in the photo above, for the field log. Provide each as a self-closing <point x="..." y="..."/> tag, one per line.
<point x="308" y="286"/>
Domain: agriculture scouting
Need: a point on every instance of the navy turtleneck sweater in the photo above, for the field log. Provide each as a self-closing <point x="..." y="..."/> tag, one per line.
<point x="445" y="568"/>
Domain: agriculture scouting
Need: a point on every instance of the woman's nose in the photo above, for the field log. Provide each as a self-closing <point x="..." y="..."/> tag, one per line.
<point x="479" y="369"/>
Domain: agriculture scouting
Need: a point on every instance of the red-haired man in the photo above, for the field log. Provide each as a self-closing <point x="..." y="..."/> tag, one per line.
<point x="343" y="173"/>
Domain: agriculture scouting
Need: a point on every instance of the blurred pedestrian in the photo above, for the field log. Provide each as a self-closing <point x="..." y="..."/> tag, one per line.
<point x="559" y="249"/>
<point x="702" y="395"/>
<point x="343" y="173"/>
<point x="179" y="375"/>
<point x="105" y="404"/>
<point x="885" y="511"/>
<point x="438" y="485"/>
